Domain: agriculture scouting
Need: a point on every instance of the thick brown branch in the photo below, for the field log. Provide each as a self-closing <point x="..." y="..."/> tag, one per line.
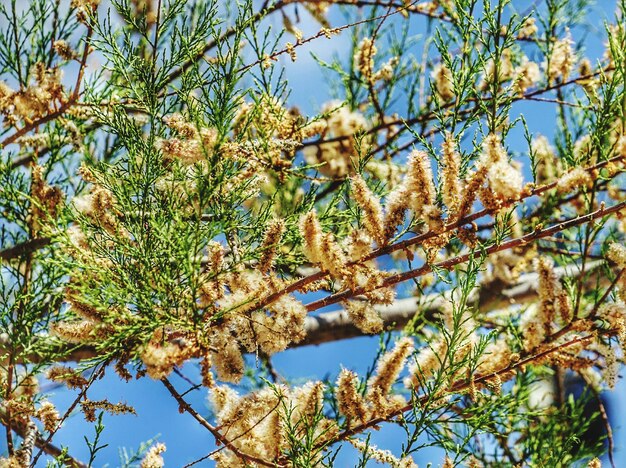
<point x="336" y="325"/>
<point x="24" y="248"/>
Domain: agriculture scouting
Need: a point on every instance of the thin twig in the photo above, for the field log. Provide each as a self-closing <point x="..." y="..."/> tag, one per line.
<point x="607" y="423"/>
<point x="47" y="447"/>
<point x="96" y="374"/>
<point x="481" y="103"/>
<point x="322" y="33"/>
<point x="184" y="406"/>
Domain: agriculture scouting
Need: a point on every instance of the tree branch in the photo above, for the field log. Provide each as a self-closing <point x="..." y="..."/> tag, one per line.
<point x="462" y="385"/>
<point x="184" y="406"/>
<point x="452" y="262"/>
<point x="336" y="325"/>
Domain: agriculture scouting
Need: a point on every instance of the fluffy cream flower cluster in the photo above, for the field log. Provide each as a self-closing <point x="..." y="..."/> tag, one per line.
<point x="431" y="359"/>
<point x="99" y="206"/>
<point x="258" y="423"/>
<point x="523" y="72"/>
<point x="364" y="62"/>
<point x="561" y="59"/>
<point x="416" y="193"/>
<point x="232" y="321"/>
<point x="547" y="166"/>
<point x="192" y="145"/>
<point x="617" y="254"/>
<point x="451" y="185"/>
<point x="377" y="400"/>
<point x="264" y="423"/>
<point x="46" y="200"/>
<point x="528" y="29"/>
<point x="526" y="75"/>
<point x="335" y="158"/>
<point x="243" y="326"/>
<point x="64" y="50"/>
<point x="342" y="263"/>
<point x="576" y="178"/>
<point x="43" y="96"/>
<point x="443" y="82"/>
<point x="364" y="58"/>
<point x="496" y="180"/>
<point x="382" y="456"/>
<point x="504" y="178"/>
<point x="153" y="458"/>
<point x="553" y="302"/>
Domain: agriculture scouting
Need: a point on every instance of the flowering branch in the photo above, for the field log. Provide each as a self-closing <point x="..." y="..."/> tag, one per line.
<point x="452" y="262"/>
<point x="73" y="99"/>
<point x="463" y="385"/>
<point x="179" y="206"/>
<point x="184" y="406"/>
<point x="420" y="238"/>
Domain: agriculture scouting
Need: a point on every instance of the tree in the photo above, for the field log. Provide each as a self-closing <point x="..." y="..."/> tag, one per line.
<point x="174" y="205"/>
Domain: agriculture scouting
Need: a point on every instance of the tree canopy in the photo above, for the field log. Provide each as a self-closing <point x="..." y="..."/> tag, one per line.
<point x="169" y="196"/>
